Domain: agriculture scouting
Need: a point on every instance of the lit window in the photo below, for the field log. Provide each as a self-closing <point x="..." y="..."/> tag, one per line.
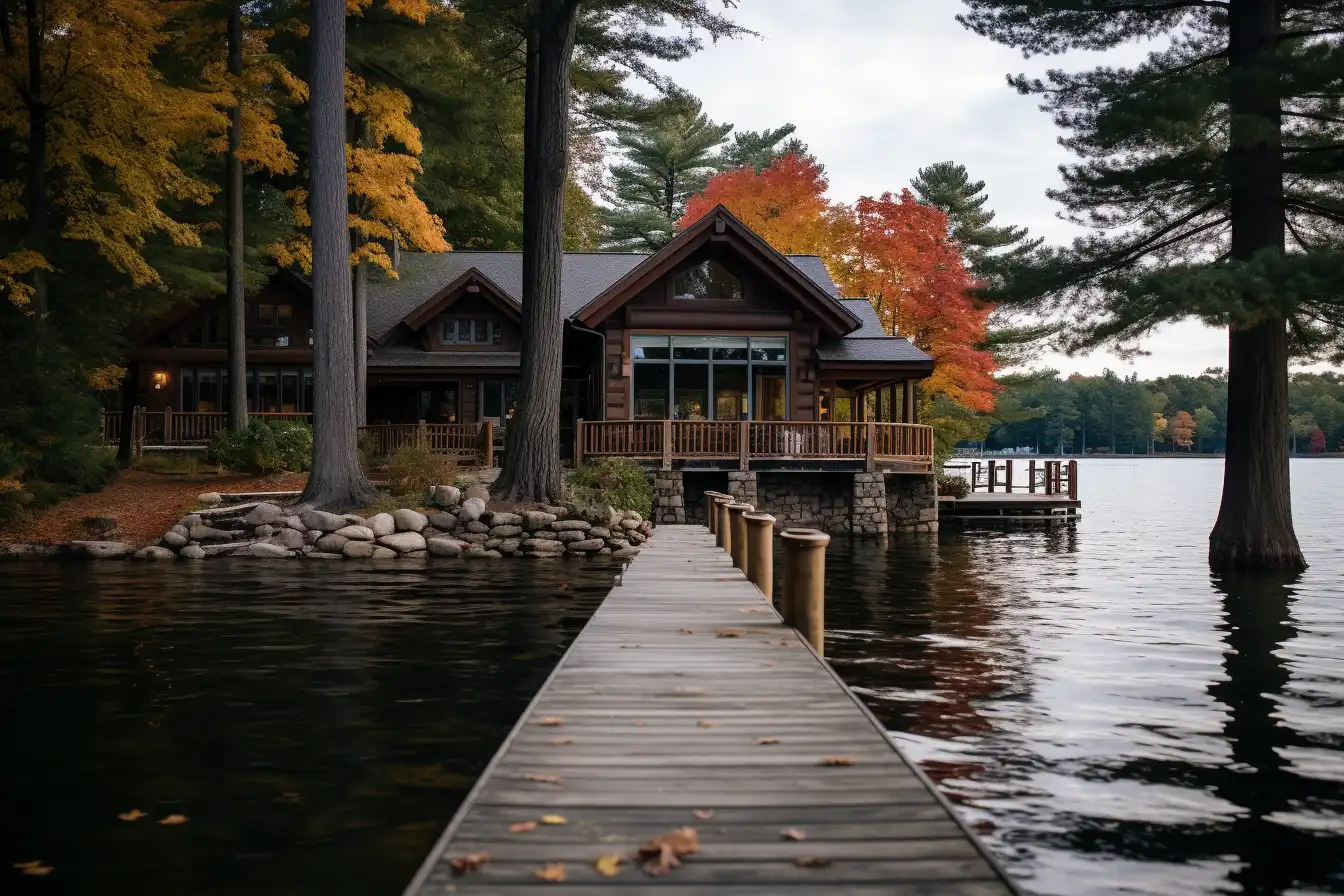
<point x="266" y="314"/>
<point x="707" y="280"/>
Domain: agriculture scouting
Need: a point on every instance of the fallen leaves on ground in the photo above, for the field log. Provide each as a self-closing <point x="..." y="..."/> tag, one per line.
<point x="812" y="861"/>
<point x="546" y="779"/>
<point x="607" y="866"/>
<point x="837" y="760"/>
<point x="522" y="827"/>
<point x="562" y="741"/>
<point x="469" y="862"/>
<point x="662" y="853"/>
<point x="704" y="723"/>
<point x="554" y="819"/>
<point x="553" y="872"/>
<point x="793" y="834"/>
<point x="133" y="815"/>
<point x="173" y="819"/>
<point x="551" y="721"/>
<point x="34" y="869"/>
<point x="730" y="633"/>
<point x="765" y="741"/>
<point x="703" y="814"/>
<point x="688" y="631"/>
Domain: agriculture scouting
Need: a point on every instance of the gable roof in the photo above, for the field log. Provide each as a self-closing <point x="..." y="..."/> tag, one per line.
<point x="472" y="282"/>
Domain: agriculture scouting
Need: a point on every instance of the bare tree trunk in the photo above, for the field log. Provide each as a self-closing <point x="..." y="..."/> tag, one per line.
<point x="126" y="435"/>
<point x="532" y="456"/>
<point x="1254" y="529"/>
<point x="233" y="199"/>
<point x="336" y="481"/>
<point x="36" y="199"/>
<point x="361" y="341"/>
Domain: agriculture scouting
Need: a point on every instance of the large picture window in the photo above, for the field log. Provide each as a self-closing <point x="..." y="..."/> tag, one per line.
<point x="270" y="390"/>
<point x="710" y="377"/>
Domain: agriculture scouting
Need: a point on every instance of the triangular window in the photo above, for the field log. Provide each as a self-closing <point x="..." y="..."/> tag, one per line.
<point x="707" y="280"/>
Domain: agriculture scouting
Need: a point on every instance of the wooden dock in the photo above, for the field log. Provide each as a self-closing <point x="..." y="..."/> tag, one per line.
<point x="686" y="702"/>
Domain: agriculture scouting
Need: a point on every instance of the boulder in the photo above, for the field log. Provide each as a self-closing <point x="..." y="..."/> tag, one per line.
<point x="537" y="519"/>
<point x="311" y="536"/>
<point x="155" y="553"/>
<point x="324" y="555"/>
<point x="413" y="555"/>
<point x="409" y="520"/>
<point x="356" y="533"/>
<point x="210" y="533"/>
<point x="633" y="515"/>
<point x="359" y="550"/>
<point x="502" y="518"/>
<point x="263" y="549"/>
<point x="484" y="555"/>
<point x="570" y="536"/>
<point x="103" y="528"/>
<point x="263" y="531"/>
<point x="599" y="532"/>
<point x="331" y="544"/>
<point x="191" y="552"/>
<point x="629" y="525"/>
<point x="354" y="519"/>
<point x="617" y="544"/>
<point x="585" y="546"/>
<point x="403" y="542"/>
<point x="321" y="520"/>
<point x="625" y="553"/>
<point x="174" y="539"/>
<point x="191" y="519"/>
<point x="598" y="514"/>
<point x="293" y="522"/>
<point x="477" y="526"/>
<point x="542" y="546"/>
<point x="552" y="508"/>
<point x="432" y="532"/>
<point x="181" y="530"/>
<point x="508" y="545"/>
<point x="605" y="552"/>
<point x="474" y="537"/>
<point x="635" y="538"/>
<point x="444" y="547"/>
<point x="472" y="508"/>
<point x="210" y="499"/>
<point x="263" y="514"/>
<point x="444" y="521"/>
<point x="570" y="526"/>
<point x="546" y="534"/>
<point x="382" y="553"/>
<point x="447" y="496"/>
<point x="224" y="550"/>
<point x="382" y="524"/>
<point x="288" y="539"/>
<point x="479" y="492"/>
<point x="503" y="531"/>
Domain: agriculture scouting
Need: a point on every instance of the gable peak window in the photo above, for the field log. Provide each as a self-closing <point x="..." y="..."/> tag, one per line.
<point x="707" y="280"/>
<point x="472" y="331"/>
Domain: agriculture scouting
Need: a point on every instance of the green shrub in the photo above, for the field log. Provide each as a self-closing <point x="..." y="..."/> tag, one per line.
<point x="953" y="486"/>
<point x="266" y="447"/>
<point x="366" y="445"/>
<point x="617" y="481"/>
<point x="413" y="468"/>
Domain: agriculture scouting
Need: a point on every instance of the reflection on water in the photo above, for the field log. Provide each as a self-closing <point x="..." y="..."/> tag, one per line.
<point x="1109" y="715"/>
<point x="317" y="723"/>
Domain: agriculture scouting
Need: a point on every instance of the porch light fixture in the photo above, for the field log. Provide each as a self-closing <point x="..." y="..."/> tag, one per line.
<point x="160" y="379"/>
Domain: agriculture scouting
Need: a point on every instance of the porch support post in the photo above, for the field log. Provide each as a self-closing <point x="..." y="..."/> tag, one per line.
<point x="870" y="448"/>
<point x="742" y="433"/>
<point x="168" y="425"/>
<point x="578" y="444"/>
<point x="909" y="413"/>
<point x="667" y="444"/>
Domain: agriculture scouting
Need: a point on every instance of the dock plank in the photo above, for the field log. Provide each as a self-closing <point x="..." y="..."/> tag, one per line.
<point x="654" y="720"/>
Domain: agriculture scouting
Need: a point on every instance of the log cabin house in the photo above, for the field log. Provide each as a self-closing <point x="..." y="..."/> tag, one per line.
<point x="715" y="327"/>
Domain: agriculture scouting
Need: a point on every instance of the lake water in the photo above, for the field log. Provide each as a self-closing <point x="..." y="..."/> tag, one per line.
<point x="1110" y="717"/>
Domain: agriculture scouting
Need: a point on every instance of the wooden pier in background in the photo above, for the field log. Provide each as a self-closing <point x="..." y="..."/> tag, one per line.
<point x="1036" y="491"/>
<point x="687" y="703"/>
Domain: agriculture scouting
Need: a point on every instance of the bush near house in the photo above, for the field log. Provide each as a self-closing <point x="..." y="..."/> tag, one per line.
<point x="266" y="447"/>
<point x="952" y="486"/>
<point x="617" y="481"/>
<point x="412" y="469"/>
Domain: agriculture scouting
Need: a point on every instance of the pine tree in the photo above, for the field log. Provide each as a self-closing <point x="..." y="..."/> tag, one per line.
<point x="947" y="186"/>
<point x="1210" y="172"/>
<point x="759" y="150"/>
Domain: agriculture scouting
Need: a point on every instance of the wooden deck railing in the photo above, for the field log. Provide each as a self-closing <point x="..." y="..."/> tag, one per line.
<point x="1043" y="477"/>
<point x="169" y="428"/>
<point x="470" y="443"/>
<point x="747" y="440"/>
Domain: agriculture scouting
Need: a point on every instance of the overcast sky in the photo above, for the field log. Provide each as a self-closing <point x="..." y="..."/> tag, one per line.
<point x="880" y="88"/>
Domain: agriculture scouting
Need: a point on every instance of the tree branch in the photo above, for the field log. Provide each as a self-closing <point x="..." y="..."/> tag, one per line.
<point x="1312" y="116"/>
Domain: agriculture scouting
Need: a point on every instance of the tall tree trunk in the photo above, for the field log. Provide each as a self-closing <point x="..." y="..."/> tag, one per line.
<point x="1254" y="529"/>
<point x="336" y="481"/>
<point x="36" y="199"/>
<point x="233" y="199"/>
<point x="361" y="341"/>
<point x="532" y="456"/>
<point x="126" y="435"/>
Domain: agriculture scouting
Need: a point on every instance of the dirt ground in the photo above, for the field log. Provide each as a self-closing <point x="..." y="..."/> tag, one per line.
<point x="145" y="505"/>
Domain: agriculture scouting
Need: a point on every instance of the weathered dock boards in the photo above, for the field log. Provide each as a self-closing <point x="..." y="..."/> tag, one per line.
<point x="686" y="702"/>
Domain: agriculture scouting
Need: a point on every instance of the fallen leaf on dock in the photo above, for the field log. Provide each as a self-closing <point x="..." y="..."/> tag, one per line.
<point x="468" y="863"/>
<point x="763" y="741"/>
<point x="554" y="819"/>
<point x="34" y="869"/>
<point x="173" y="819"/>
<point x="793" y="834"/>
<point x="133" y="815"/>
<point x="551" y="721"/>
<point x="703" y="814"/>
<point x="688" y="631"/>
<point x="836" y="760"/>
<point x="812" y="862"/>
<point x="662" y="853"/>
<point x="546" y="779"/>
<point x="562" y="741"/>
<point x="553" y="872"/>
<point x="752" y="610"/>
<point x="522" y="827"/>
<point x="607" y="866"/>
<point x="729" y="633"/>
<point x="704" y="723"/>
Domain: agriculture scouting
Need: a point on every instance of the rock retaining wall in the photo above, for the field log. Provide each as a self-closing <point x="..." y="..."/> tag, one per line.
<point x="912" y="503"/>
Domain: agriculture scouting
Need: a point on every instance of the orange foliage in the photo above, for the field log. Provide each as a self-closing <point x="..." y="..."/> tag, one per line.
<point x="1182" y="429"/>
<point x="785" y="204"/>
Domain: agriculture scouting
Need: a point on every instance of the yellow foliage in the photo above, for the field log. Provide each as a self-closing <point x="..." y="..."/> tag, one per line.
<point x="12" y="267"/>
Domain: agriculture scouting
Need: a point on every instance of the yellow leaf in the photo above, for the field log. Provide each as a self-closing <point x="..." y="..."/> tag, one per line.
<point x="133" y="815"/>
<point x="793" y="834"/>
<point x="554" y="819"/>
<point x="553" y="872"/>
<point x="173" y="819"/>
<point x="704" y="723"/>
<point x="546" y="779"/>
<point x="469" y="862"/>
<point x="551" y="721"/>
<point x="607" y="866"/>
<point x="522" y="827"/>
<point x="34" y="869"/>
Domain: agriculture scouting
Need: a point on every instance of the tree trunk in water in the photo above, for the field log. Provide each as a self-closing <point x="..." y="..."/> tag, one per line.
<point x="36" y="199"/>
<point x="532" y="456"/>
<point x="233" y="199"/>
<point x="336" y="482"/>
<point x="361" y="340"/>
<point x="1254" y="529"/>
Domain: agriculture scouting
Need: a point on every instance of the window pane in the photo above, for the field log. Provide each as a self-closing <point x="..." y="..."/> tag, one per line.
<point x="769" y="393"/>
<point x="284" y="313"/>
<point x="652" y="348"/>
<point x="307" y="391"/>
<point x="188" y="378"/>
<point x="449" y="332"/>
<point x="266" y="314"/>
<point x="651" y="391"/>
<point x="490" y="399"/>
<point x="482" y="332"/>
<point x="498" y="336"/>
<point x="730" y="392"/>
<point x="268" y="391"/>
<point x="209" y="390"/>
<point x="707" y="280"/>
<point x="769" y="348"/>
<point x="692" y="392"/>
<point x="289" y="391"/>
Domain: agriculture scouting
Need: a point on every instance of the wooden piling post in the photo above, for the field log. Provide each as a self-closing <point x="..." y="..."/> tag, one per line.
<point x="1008" y="475"/>
<point x="1031" y="475"/>
<point x="712" y="510"/>
<point x="738" y="539"/>
<point x="761" y="551"/>
<point x="1073" y="480"/>
<point x="722" y="533"/>
<point x="805" y="584"/>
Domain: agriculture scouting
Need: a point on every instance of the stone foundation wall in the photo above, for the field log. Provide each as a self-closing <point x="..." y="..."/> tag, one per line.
<point x="912" y="503"/>
<point x="669" y="497"/>
<point x="743" y="487"/>
<point x="869" y="514"/>
<point x="812" y="500"/>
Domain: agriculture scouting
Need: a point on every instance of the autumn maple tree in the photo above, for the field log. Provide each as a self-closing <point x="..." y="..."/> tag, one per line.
<point x="1181" y="429"/>
<point x="785" y="204"/>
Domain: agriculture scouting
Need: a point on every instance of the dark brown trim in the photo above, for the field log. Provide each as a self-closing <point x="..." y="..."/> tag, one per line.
<point x="876" y="371"/>
<point x="259" y="354"/>
<point x="446" y="297"/>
